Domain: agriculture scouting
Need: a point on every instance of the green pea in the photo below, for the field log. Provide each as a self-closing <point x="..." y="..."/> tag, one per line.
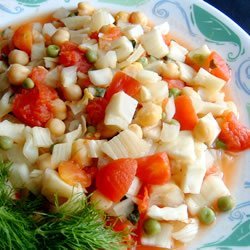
<point x="6" y="142"/>
<point x="174" y="92"/>
<point x="206" y="216"/>
<point x="151" y="227"/>
<point x="143" y="61"/>
<point x="91" y="129"/>
<point x="28" y="83"/>
<point x="220" y="144"/>
<point x="225" y="203"/>
<point x="91" y="56"/>
<point x="53" y="50"/>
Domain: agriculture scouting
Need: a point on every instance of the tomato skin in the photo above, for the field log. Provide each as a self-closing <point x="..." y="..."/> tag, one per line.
<point x="72" y="174"/>
<point x="154" y="169"/>
<point x="234" y="134"/>
<point x="70" y="55"/>
<point x="32" y="106"/>
<point x="22" y="38"/>
<point x="220" y="67"/>
<point x="38" y="75"/>
<point x="94" y="35"/>
<point x="143" y="199"/>
<point x="175" y="83"/>
<point x="185" y="113"/>
<point x="114" y="179"/>
<point x="122" y="82"/>
<point x="96" y="110"/>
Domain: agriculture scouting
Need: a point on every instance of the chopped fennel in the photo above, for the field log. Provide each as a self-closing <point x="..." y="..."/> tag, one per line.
<point x="61" y="152"/>
<point x="168" y="213"/>
<point x="41" y="137"/>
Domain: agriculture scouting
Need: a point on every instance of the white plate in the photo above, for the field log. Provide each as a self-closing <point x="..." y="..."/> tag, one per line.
<point x="194" y="22"/>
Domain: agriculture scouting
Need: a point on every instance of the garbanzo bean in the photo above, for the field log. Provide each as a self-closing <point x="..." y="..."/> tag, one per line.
<point x="19" y="57"/>
<point x="122" y="16"/>
<point x="17" y="73"/>
<point x="73" y="93"/>
<point x="149" y="115"/>
<point x="85" y="9"/>
<point x="44" y="161"/>
<point x="56" y="127"/>
<point x="61" y="36"/>
<point x="138" y="18"/>
<point x="59" y="109"/>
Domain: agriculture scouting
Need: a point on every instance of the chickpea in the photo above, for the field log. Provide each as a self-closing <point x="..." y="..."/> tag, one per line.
<point x="170" y="70"/>
<point x="81" y="157"/>
<point x="44" y="161"/>
<point x="61" y="36"/>
<point x="106" y="28"/>
<point x="18" y="56"/>
<point x="59" y="109"/>
<point x="17" y="74"/>
<point x="138" y="18"/>
<point x="100" y="201"/>
<point x="136" y="129"/>
<point x="72" y="93"/>
<point x="122" y="16"/>
<point x="85" y="9"/>
<point x="56" y="127"/>
<point x="149" y="115"/>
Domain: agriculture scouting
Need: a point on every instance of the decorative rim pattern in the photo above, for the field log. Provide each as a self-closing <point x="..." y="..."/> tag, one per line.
<point x="199" y="23"/>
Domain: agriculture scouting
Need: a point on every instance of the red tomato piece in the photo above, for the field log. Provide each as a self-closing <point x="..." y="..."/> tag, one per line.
<point x="235" y="135"/>
<point x="114" y="179"/>
<point x="38" y="75"/>
<point x="185" y="113"/>
<point x="217" y="66"/>
<point x="94" y="35"/>
<point x="123" y="82"/>
<point x="143" y="200"/>
<point x="72" y="174"/>
<point x="175" y="83"/>
<point x="112" y="33"/>
<point x="32" y="106"/>
<point x="154" y="169"/>
<point x="96" y="110"/>
<point x="167" y="39"/>
<point x="70" y="55"/>
<point x="23" y="39"/>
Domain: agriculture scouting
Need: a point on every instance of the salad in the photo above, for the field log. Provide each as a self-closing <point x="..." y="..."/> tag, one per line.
<point x="113" y="135"/>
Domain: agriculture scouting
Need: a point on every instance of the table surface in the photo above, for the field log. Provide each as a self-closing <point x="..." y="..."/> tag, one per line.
<point x="237" y="10"/>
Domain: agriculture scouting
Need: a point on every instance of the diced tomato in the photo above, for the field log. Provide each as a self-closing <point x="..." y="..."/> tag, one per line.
<point x="32" y="106"/>
<point x="5" y="52"/>
<point x="73" y="174"/>
<point x="91" y="171"/>
<point x="185" y="112"/>
<point x="114" y="179"/>
<point x="235" y="135"/>
<point x="84" y="83"/>
<point x="38" y="75"/>
<point x="154" y="169"/>
<point x="70" y="55"/>
<point x="123" y="82"/>
<point x="96" y="110"/>
<point x="213" y="170"/>
<point x="167" y="39"/>
<point x="22" y="38"/>
<point x="217" y="66"/>
<point x="143" y="200"/>
<point x="112" y="33"/>
<point x="175" y="83"/>
<point x="94" y="35"/>
<point x="121" y="225"/>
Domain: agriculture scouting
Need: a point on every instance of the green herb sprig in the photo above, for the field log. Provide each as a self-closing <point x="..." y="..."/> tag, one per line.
<point x="76" y="224"/>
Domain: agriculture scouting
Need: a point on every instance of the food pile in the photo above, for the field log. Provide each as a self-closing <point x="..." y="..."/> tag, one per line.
<point x="112" y="134"/>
